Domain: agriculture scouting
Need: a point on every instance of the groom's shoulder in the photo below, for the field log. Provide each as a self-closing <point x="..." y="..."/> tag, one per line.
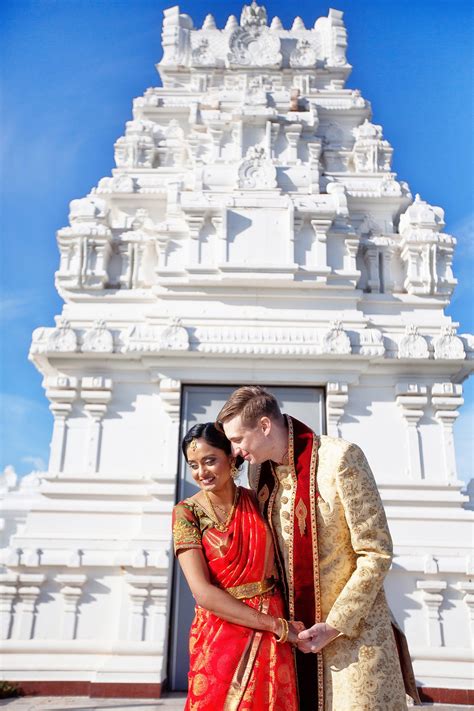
<point x="333" y="445"/>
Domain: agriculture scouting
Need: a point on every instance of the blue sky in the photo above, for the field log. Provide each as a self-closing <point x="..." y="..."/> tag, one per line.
<point x="70" y="69"/>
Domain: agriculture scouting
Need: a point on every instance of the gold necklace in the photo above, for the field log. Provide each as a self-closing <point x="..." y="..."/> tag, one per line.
<point x="222" y="525"/>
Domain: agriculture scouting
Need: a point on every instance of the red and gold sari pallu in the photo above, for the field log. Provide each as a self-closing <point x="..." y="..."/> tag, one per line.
<point x="235" y="668"/>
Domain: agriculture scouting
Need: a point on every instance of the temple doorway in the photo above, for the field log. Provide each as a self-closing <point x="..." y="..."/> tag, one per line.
<point x="201" y="403"/>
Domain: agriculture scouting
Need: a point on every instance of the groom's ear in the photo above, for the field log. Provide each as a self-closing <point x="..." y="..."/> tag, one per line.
<point x="266" y="425"/>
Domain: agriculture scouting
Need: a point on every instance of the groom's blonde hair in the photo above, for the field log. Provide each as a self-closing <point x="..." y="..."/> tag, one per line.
<point x="250" y="402"/>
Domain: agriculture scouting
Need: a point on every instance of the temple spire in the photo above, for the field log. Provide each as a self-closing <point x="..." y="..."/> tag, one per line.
<point x="253" y="15"/>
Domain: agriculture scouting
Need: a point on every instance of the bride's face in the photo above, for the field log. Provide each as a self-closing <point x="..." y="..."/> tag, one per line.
<point x="210" y="466"/>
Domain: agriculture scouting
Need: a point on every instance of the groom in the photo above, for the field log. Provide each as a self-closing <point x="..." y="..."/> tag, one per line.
<point x="333" y="548"/>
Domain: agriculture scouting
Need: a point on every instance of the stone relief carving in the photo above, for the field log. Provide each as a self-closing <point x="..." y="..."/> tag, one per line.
<point x="370" y="154"/>
<point x="336" y="340"/>
<point x="253" y="15"/>
<point x="371" y="342"/>
<point x="427" y="254"/>
<point x="174" y="337"/>
<point x="253" y="43"/>
<point x="98" y="339"/>
<point x="202" y="56"/>
<point x="117" y="184"/>
<point x="412" y="344"/>
<point x="62" y="339"/>
<point x="137" y="149"/>
<point x="448" y="345"/>
<point x="257" y="170"/>
<point x="304" y="55"/>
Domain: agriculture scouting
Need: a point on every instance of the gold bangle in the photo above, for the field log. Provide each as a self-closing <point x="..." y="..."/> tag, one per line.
<point x="285" y="631"/>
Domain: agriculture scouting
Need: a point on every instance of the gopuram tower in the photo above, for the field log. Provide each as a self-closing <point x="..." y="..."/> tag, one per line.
<point x="252" y="232"/>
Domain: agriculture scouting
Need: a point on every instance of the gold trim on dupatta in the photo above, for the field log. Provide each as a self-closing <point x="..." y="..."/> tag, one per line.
<point x="241" y="676"/>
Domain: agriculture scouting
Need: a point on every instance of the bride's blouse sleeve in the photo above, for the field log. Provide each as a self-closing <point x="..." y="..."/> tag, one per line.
<point x="186" y="529"/>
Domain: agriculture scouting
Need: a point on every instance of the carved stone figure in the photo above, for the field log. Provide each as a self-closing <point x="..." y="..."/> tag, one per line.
<point x="257" y="171"/>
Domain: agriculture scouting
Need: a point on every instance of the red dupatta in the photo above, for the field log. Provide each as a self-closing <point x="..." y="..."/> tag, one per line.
<point x="234" y="667"/>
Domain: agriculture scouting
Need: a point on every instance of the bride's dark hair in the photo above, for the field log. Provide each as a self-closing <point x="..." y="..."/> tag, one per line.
<point x="210" y="434"/>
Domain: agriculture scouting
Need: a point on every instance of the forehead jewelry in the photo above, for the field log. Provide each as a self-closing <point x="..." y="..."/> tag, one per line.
<point x="193" y="444"/>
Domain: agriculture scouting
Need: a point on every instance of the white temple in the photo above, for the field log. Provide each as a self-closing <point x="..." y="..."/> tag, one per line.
<point x="252" y="232"/>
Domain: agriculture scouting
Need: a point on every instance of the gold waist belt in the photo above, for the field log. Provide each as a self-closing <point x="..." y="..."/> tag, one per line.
<point x="252" y="589"/>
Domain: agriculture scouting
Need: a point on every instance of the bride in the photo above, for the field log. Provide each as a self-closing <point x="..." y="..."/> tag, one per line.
<point x="240" y="656"/>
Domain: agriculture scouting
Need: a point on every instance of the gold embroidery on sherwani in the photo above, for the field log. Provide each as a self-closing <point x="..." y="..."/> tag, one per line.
<point x="301" y="512"/>
<point x="317" y="585"/>
<point x="291" y="577"/>
<point x="263" y="495"/>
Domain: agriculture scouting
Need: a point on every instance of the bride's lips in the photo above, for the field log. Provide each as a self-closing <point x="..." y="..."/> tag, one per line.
<point x="208" y="480"/>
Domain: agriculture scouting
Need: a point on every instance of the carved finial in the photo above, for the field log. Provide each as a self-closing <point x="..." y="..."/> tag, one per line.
<point x="209" y="23"/>
<point x="253" y="15"/>
<point x="276" y="24"/>
<point x="298" y="25"/>
<point x="231" y="23"/>
<point x="417" y="197"/>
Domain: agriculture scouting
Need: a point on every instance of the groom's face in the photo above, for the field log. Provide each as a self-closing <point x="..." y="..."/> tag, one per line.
<point x="251" y="443"/>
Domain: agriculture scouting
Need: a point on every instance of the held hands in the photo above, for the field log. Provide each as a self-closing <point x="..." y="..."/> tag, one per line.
<point x="316" y="637"/>
<point x="294" y="629"/>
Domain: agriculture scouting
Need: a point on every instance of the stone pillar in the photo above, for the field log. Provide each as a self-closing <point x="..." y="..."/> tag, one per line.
<point x="350" y="254"/>
<point x="170" y="393"/>
<point x="71" y="591"/>
<point x="373" y="273"/>
<point x="412" y="399"/>
<point x="273" y="129"/>
<point x="61" y="392"/>
<point x="219" y="224"/>
<point x="96" y="392"/>
<point x="336" y="400"/>
<point x="28" y="592"/>
<point x="319" y="255"/>
<point x="314" y="150"/>
<point x="432" y="598"/>
<point x="293" y="133"/>
<point x="138" y="592"/>
<point x="8" y="592"/>
<point x="195" y="223"/>
<point x="158" y="607"/>
<point x="446" y="398"/>
<point x="467" y="588"/>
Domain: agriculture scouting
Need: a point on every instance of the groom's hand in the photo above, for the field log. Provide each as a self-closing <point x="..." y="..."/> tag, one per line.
<point x="316" y="637"/>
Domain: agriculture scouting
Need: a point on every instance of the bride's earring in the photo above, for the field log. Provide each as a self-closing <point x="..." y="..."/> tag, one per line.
<point x="234" y="472"/>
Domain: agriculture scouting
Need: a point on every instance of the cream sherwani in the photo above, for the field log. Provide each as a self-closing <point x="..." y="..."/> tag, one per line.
<point x="361" y="668"/>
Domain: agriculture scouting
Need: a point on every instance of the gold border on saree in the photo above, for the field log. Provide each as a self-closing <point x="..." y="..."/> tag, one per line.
<point x="248" y="590"/>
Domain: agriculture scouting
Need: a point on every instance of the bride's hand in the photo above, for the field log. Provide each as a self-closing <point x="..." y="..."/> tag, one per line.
<point x="294" y="629"/>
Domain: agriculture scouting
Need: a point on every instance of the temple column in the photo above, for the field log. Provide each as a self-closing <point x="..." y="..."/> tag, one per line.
<point x="446" y="398"/>
<point x="71" y="590"/>
<point x="29" y="591"/>
<point x="467" y="588"/>
<point x="432" y="599"/>
<point x="319" y="253"/>
<point x="8" y="593"/>
<point x="412" y="399"/>
<point x="96" y="393"/>
<point x="158" y="607"/>
<point x="138" y="593"/>
<point x="61" y="392"/>
<point x="336" y="400"/>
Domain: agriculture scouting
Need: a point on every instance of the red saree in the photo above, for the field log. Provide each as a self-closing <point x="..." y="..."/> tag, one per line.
<point x="235" y="668"/>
